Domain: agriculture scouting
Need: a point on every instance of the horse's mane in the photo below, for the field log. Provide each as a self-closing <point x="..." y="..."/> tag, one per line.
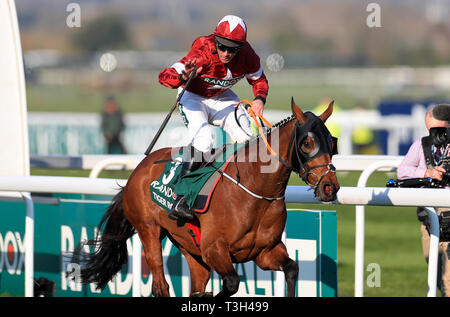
<point x="283" y="122"/>
<point x="269" y="130"/>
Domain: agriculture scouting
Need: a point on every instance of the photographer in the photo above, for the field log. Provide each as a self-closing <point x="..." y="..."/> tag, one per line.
<point x="430" y="157"/>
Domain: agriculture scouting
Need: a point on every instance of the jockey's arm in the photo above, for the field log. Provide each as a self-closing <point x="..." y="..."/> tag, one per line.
<point x="177" y="74"/>
<point x="257" y="79"/>
<point x="260" y="91"/>
<point x="169" y="77"/>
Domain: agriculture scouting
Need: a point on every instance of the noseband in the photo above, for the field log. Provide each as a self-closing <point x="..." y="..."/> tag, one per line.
<point x="314" y="128"/>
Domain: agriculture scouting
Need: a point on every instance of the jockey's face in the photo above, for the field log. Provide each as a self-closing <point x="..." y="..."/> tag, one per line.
<point x="226" y="54"/>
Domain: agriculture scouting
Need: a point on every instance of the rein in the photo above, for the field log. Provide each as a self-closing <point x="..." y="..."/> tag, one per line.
<point x="253" y="115"/>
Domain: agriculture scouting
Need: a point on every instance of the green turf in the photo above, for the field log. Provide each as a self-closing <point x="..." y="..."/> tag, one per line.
<point x="140" y="91"/>
<point x="157" y="98"/>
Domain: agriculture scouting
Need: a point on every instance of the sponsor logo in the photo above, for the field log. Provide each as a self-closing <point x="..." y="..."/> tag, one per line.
<point x="162" y="192"/>
<point x="221" y="83"/>
<point x="12" y="252"/>
<point x="166" y="194"/>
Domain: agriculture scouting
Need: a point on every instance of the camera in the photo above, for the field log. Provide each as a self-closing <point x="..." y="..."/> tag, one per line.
<point x="440" y="136"/>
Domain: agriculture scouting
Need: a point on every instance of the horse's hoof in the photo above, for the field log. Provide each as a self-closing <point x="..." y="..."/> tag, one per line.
<point x="202" y="294"/>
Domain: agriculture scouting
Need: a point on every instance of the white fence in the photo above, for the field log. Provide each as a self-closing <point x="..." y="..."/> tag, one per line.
<point x="359" y="196"/>
<point x="60" y="133"/>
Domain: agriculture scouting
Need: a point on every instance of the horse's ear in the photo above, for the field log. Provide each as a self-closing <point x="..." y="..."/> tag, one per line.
<point x="327" y="113"/>
<point x="298" y="113"/>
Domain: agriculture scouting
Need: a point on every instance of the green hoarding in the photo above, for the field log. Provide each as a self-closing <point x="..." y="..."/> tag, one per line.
<point x="62" y="221"/>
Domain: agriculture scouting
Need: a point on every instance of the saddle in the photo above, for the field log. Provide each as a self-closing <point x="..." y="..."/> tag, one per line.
<point x="197" y="186"/>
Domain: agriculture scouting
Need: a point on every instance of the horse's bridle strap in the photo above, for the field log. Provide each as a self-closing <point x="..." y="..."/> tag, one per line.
<point x="301" y="168"/>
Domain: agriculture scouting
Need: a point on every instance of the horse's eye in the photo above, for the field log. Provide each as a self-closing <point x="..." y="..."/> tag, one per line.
<point x="307" y="145"/>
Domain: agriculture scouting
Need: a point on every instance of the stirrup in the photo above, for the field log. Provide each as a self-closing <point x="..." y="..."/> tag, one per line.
<point x="181" y="209"/>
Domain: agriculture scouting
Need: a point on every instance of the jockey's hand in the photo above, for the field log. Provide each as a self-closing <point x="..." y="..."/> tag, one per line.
<point x="258" y="107"/>
<point x="189" y="68"/>
<point x="435" y="172"/>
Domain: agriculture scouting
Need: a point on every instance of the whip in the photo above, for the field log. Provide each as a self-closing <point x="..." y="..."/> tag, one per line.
<point x="161" y="128"/>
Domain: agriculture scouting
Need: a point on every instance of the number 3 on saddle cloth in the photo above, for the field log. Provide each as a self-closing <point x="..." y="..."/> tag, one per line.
<point x="197" y="186"/>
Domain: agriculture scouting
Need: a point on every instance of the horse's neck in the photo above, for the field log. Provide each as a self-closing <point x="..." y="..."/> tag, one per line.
<point x="281" y="137"/>
<point x="273" y="176"/>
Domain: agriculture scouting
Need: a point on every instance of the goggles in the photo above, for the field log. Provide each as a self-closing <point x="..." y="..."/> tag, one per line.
<point x="223" y="48"/>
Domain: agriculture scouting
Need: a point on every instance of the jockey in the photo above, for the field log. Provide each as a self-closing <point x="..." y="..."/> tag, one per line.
<point x="223" y="58"/>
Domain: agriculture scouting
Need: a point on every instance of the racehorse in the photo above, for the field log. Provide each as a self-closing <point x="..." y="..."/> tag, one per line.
<point x="238" y="227"/>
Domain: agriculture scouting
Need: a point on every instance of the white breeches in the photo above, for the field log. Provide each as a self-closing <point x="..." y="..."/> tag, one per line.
<point x="199" y="112"/>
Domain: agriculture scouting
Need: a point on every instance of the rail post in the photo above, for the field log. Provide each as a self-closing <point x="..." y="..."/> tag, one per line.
<point x="434" y="251"/>
<point x="360" y="225"/>
<point x="29" y="244"/>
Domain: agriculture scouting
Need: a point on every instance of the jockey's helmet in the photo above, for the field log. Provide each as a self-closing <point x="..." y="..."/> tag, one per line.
<point x="231" y="31"/>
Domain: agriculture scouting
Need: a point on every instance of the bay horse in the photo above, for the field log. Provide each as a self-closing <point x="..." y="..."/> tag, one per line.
<point x="238" y="227"/>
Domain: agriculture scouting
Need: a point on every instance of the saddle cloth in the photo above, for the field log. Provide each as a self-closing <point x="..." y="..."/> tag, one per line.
<point x="197" y="186"/>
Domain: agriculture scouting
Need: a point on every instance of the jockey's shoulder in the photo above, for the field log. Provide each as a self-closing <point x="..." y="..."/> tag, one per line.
<point x="207" y="40"/>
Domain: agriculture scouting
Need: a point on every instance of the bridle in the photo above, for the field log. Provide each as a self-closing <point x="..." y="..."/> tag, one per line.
<point x="324" y="144"/>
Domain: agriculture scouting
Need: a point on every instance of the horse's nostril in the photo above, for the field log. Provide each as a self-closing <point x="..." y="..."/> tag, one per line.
<point x="328" y="188"/>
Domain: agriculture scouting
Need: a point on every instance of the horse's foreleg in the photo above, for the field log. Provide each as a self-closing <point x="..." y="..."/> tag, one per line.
<point x="217" y="256"/>
<point x="290" y="270"/>
<point x="200" y="274"/>
<point x="150" y="235"/>
<point x="277" y="259"/>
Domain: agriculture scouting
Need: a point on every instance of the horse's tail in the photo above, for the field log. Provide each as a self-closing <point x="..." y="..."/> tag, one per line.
<point x="110" y="247"/>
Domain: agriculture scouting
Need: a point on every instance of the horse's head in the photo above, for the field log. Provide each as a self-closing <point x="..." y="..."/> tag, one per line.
<point x="312" y="150"/>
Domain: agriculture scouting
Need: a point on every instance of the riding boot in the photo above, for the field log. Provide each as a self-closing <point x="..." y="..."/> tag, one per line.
<point x="180" y="207"/>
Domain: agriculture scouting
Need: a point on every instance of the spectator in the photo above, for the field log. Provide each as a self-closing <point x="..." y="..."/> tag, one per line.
<point x="113" y="126"/>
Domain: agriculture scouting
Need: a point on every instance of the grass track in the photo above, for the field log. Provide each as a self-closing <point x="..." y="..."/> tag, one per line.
<point x="157" y="98"/>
